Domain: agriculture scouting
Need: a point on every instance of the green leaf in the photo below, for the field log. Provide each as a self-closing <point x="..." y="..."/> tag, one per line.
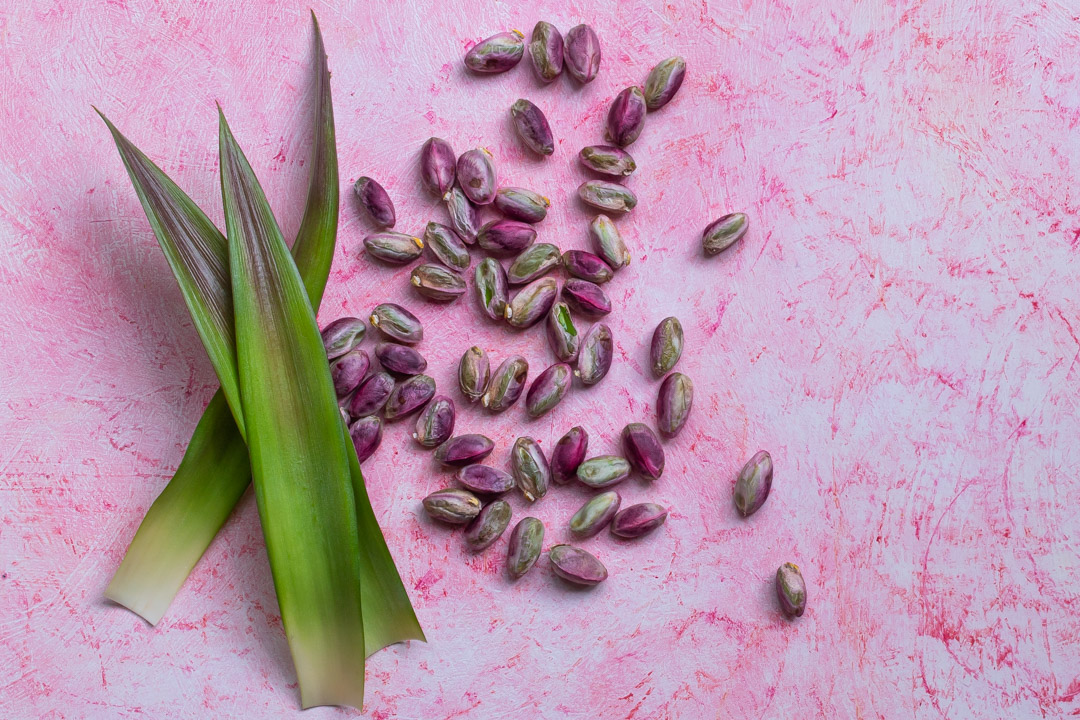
<point x="388" y="615"/>
<point x="313" y="249"/>
<point x="185" y="517"/>
<point x="198" y="255"/>
<point x="299" y="458"/>
<point x="215" y="471"/>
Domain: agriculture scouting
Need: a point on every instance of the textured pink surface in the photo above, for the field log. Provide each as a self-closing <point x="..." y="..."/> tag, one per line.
<point x="899" y="328"/>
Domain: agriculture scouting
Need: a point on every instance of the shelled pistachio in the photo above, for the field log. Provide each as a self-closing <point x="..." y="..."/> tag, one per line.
<point x="474" y="373"/>
<point x="562" y="334"/>
<point x="397" y="323"/>
<point x="394" y="248"/>
<point x="496" y="54"/>
<point x="531" y="304"/>
<point x="488" y="526"/>
<point x="530" y="468"/>
<point x="445" y="245"/>
<point x="507" y="383"/>
<point x="595" y="355"/>
<point x="724" y="232"/>
<point x="638" y="520"/>
<point x="576" y="565"/>
<point x="453" y="506"/>
<point x="595" y="514"/>
<point x="408" y="397"/>
<point x="548" y="389"/>
<point x="673" y="404"/>
<point x="342" y="335"/>
<point x="546" y="50"/>
<point x="437" y="282"/>
<point x="491" y="288"/>
<point x="436" y="424"/>
<point x="666" y="347"/>
<point x="375" y="200"/>
<point x="400" y="359"/>
<point x="438" y="166"/>
<point x="535" y="261"/>
<point x="526" y="543"/>
<point x="520" y="204"/>
<point x="568" y="454"/>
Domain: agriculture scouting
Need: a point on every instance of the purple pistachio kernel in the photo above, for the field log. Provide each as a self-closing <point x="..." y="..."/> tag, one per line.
<point x="397" y="323"/>
<point x="400" y="359"/>
<point x="464" y="217"/>
<point x="548" y="389"/>
<point x="568" y="454"/>
<point x="485" y="480"/>
<point x="436" y="424"/>
<point x="608" y="242"/>
<point x="436" y="282"/>
<point x="791" y="590"/>
<point x="586" y="266"/>
<point x="673" y="404"/>
<point x="476" y="175"/>
<point x="445" y="245"/>
<point x="342" y="335"/>
<point x="666" y="347"/>
<point x="724" y="232"/>
<point x="562" y="334"/>
<point x="497" y="53"/>
<point x="586" y="298"/>
<point x="643" y="450"/>
<point x="506" y="384"/>
<point x="521" y="204"/>
<point x="491" y="290"/>
<point x="754" y="483"/>
<point x="607" y="160"/>
<point x="546" y="49"/>
<point x="408" y="397"/>
<point x="535" y="261"/>
<point x="348" y="371"/>
<point x="393" y="247"/>
<point x="526" y="542"/>
<point x="663" y="82"/>
<point x="638" y="520"/>
<point x="474" y="373"/>
<point x="506" y="237"/>
<point x="595" y="514"/>
<point x="595" y="354"/>
<point x="532" y="127"/>
<point x="376" y="201"/>
<point x="530" y="468"/>
<point x="576" y="565"/>
<point x="532" y="303"/>
<point x="453" y="506"/>
<point x="366" y="434"/>
<point x="603" y="471"/>
<point x="581" y="53"/>
<point x="488" y="526"/>
<point x="464" y="450"/>
<point x="608" y="196"/>
<point x="372" y="394"/>
<point x="626" y="117"/>
<point x="438" y="166"/>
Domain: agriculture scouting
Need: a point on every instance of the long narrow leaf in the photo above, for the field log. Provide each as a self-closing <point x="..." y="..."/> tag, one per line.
<point x="299" y="459"/>
<point x="388" y="615"/>
<point x="198" y="255"/>
<point x="185" y="517"/>
<point x="313" y="249"/>
<point x="214" y="473"/>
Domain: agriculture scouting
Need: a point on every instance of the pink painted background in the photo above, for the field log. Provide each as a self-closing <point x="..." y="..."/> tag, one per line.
<point x="900" y="328"/>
